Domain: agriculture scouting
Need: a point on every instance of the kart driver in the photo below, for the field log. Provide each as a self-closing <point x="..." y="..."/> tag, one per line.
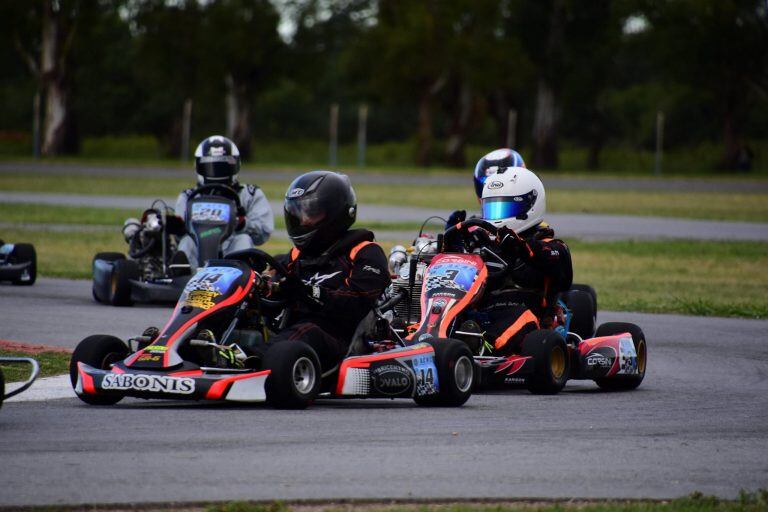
<point x="217" y="160"/>
<point x="341" y="272"/>
<point x="539" y="265"/>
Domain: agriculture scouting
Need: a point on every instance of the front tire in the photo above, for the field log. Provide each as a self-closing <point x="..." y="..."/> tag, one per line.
<point x="25" y="253"/>
<point x="455" y="374"/>
<point x="583" y="314"/>
<point x="120" y="285"/>
<point x="551" y="363"/>
<point x="98" y="351"/>
<point x="625" y="382"/>
<point x="295" y="376"/>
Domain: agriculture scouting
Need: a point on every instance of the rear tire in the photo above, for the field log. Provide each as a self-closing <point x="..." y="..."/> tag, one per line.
<point x="120" y="284"/>
<point x="625" y="382"/>
<point x="22" y="253"/>
<point x="583" y="314"/>
<point x="552" y="366"/>
<point x="99" y="351"/>
<point x="295" y="376"/>
<point x="455" y="374"/>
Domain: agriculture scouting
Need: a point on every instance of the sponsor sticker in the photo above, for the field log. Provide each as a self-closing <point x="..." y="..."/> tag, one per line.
<point x="495" y="185"/>
<point x="598" y="359"/>
<point x="391" y="379"/>
<point x="209" y="232"/>
<point x="426" y="375"/>
<point x="210" y="212"/>
<point x="152" y="383"/>
<point x="202" y="299"/>
<point x="296" y="192"/>
<point x="627" y="357"/>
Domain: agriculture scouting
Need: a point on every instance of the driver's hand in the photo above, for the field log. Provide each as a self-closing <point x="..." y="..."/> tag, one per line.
<point x="476" y="238"/>
<point x="511" y="243"/>
<point x="241" y="217"/>
<point x="456" y="217"/>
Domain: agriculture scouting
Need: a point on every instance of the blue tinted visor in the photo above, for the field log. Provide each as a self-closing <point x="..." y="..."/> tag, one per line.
<point x="497" y="208"/>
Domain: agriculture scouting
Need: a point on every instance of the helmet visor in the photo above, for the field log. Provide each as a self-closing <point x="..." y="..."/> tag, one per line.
<point x="217" y="167"/>
<point x="303" y="216"/>
<point x="505" y="207"/>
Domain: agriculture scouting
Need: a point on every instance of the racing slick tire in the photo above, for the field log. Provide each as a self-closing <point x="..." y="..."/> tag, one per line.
<point x="106" y="256"/>
<point x="295" y="376"/>
<point x="625" y="382"/>
<point x="583" y="314"/>
<point x="99" y="351"/>
<point x="587" y="289"/>
<point x="21" y="254"/>
<point x="551" y="363"/>
<point x="120" y="284"/>
<point x="455" y="374"/>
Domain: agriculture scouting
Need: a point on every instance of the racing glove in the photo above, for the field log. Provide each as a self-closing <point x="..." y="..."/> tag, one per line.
<point x="240" y="218"/>
<point x="513" y="245"/>
<point x="456" y="217"/>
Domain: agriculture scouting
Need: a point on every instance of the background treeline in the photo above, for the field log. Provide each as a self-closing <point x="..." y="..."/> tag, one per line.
<point x="438" y="76"/>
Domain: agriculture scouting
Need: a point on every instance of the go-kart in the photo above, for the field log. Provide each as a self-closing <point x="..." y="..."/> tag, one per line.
<point x="18" y="263"/>
<point x="34" y="372"/>
<point x="451" y="285"/>
<point x="203" y="352"/>
<point x="154" y="270"/>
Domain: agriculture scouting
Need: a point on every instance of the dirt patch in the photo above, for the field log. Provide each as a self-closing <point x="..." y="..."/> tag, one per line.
<point x="29" y="348"/>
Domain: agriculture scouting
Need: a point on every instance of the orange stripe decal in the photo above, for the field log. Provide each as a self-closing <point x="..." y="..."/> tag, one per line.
<point x="357" y="248"/>
<point x="526" y="318"/>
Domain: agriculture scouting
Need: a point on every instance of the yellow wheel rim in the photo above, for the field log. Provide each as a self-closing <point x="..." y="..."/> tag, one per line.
<point x="557" y="362"/>
<point x="641" y="356"/>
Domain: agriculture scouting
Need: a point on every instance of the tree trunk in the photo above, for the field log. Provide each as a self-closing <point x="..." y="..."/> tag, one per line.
<point x="545" y="150"/>
<point x="55" y="121"/>
<point x="238" y="115"/>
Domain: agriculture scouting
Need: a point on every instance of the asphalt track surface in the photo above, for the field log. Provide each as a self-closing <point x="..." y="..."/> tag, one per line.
<point x="699" y="422"/>
<point x="568" y="225"/>
<point x="716" y="184"/>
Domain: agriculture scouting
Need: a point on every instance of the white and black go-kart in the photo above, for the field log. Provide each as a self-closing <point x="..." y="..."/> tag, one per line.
<point x="151" y="272"/>
<point x="18" y="263"/>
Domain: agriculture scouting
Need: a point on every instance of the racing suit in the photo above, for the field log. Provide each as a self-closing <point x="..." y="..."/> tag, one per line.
<point x="338" y="289"/>
<point x="258" y="226"/>
<point x="526" y="297"/>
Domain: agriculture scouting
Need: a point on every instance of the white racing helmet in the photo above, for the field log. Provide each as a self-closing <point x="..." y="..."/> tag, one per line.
<point x="514" y="198"/>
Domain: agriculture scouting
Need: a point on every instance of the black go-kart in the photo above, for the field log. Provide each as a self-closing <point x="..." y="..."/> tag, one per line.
<point x="18" y="263"/>
<point x="154" y="270"/>
<point x="34" y="372"/>
<point x="203" y="352"/>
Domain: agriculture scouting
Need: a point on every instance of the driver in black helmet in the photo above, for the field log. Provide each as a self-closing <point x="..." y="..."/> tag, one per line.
<point x="341" y="272"/>
<point x="217" y="160"/>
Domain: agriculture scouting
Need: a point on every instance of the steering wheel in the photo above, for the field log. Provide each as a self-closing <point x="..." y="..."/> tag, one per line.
<point x="224" y="190"/>
<point x="258" y="261"/>
<point x="495" y="264"/>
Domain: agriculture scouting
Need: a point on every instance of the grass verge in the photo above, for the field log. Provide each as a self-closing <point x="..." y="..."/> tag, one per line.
<point x="51" y="363"/>
<point x="687" y="277"/>
<point x="693" y="205"/>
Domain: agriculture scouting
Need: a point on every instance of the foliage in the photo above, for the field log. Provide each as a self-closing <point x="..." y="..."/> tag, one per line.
<point x="51" y="363"/>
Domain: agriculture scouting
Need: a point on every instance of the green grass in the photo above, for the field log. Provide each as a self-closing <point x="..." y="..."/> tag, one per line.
<point x="688" y="277"/>
<point x="696" y="502"/>
<point x="51" y="363"/>
<point x="693" y="205"/>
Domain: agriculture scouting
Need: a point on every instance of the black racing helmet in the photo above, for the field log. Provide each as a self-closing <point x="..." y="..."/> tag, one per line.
<point x="320" y="206"/>
<point x="217" y="160"/>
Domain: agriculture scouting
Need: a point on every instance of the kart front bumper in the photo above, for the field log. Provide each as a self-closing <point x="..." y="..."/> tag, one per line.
<point x="15" y="271"/>
<point x="226" y="386"/>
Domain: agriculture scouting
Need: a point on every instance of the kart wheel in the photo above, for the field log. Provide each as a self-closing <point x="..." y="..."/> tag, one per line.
<point x="2" y="382"/>
<point x="295" y="378"/>
<point x="120" y="282"/>
<point x="99" y="351"/>
<point x="551" y="364"/>
<point x="583" y="314"/>
<point x="455" y="374"/>
<point x="587" y="289"/>
<point x="625" y="382"/>
<point x="104" y="256"/>
<point x="23" y="253"/>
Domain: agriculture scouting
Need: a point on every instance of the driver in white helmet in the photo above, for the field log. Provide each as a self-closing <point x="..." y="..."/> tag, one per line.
<point x="217" y="161"/>
<point x="539" y="265"/>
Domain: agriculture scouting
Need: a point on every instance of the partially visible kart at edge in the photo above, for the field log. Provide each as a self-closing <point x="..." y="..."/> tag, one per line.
<point x="18" y="263"/>
<point x="441" y="288"/>
<point x="34" y="372"/>
<point x="152" y="273"/>
<point x="226" y="306"/>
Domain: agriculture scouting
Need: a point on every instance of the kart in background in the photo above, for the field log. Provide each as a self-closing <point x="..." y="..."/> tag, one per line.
<point x="34" y="372"/>
<point x="442" y="289"/>
<point x="18" y="263"/>
<point x="153" y="272"/>
<point x="226" y="306"/>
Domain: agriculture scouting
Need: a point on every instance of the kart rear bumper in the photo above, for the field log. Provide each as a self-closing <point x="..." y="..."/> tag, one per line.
<point x="181" y="385"/>
<point x="155" y="292"/>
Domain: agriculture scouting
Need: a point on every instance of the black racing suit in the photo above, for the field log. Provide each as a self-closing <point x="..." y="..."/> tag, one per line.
<point x="525" y="298"/>
<point x="341" y="288"/>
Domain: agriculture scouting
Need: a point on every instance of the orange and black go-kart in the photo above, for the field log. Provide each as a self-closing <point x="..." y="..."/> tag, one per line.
<point x="443" y="289"/>
<point x="229" y="305"/>
<point x="33" y="374"/>
<point x="18" y="263"/>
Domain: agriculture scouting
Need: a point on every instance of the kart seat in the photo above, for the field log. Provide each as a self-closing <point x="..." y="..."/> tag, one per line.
<point x="364" y="329"/>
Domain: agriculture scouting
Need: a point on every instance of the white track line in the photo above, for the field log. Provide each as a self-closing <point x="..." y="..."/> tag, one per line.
<point x="49" y="388"/>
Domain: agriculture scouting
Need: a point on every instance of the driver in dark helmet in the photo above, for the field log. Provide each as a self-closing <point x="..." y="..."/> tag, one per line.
<point x="340" y="272"/>
<point x="217" y="161"/>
